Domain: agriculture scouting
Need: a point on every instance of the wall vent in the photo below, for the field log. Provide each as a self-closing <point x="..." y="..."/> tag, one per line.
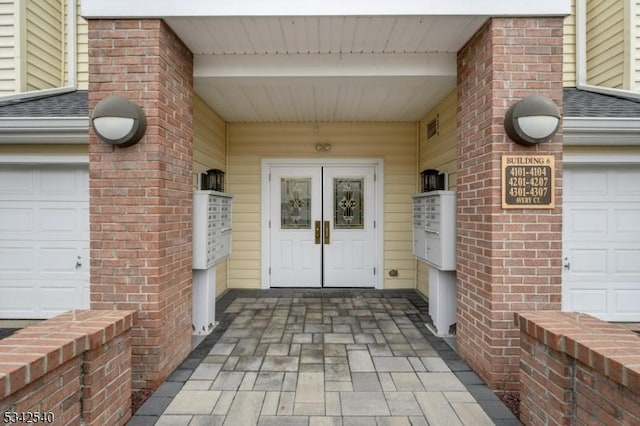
<point x="433" y="128"/>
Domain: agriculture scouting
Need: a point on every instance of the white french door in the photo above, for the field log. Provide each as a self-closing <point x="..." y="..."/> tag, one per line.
<point x="321" y="223"/>
<point x="295" y="250"/>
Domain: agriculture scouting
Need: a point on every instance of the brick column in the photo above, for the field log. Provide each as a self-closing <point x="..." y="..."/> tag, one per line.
<point x="508" y="260"/>
<point x="140" y="201"/>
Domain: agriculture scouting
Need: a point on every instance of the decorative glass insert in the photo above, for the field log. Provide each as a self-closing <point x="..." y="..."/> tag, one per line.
<point x="348" y="203"/>
<point x="295" y="203"/>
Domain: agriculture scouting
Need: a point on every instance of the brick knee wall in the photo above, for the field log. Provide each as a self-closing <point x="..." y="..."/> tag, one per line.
<point x="107" y="382"/>
<point x="57" y="392"/>
<point x="76" y="366"/>
<point x="576" y="369"/>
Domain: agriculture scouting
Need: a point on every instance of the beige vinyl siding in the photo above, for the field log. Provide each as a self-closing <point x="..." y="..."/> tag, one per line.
<point x="8" y="56"/>
<point x="209" y="141"/>
<point x="45" y="149"/>
<point x="209" y="152"/>
<point x="569" y="48"/>
<point x="605" y="43"/>
<point x="438" y="152"/>
<point x="44" y="44"/>
<point x="395" y="143"/>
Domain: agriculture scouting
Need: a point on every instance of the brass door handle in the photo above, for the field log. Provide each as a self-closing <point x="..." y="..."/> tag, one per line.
<point x="327" y="232"/>
<point x="318" y="234"/>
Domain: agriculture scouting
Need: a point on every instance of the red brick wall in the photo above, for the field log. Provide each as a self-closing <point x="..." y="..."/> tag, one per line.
<point x="107" y="382"/>
<point x="140" y="201"/>
<point x="508" y="260"/>
<point x="76" y="366"/>
<point x="57" y="392"/>
<point x="546" y="377"/>
<point x="576" y="369"/>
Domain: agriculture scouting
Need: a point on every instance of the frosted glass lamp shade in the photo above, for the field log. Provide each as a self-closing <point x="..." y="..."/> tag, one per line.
<point x="117" y="121"/>
<point x="532" y="120"/>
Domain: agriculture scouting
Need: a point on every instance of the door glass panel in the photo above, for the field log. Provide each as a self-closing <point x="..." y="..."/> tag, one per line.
<point x="348" y="208"/>
<point x="295" y="203"/>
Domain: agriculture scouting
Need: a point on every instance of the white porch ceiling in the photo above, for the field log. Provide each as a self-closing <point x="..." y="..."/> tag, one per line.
<point x="329" y="60"/>
<point x="315" y="69"/>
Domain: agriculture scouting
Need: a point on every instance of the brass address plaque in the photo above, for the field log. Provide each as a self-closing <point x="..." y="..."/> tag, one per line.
<point x="528" y="181"/>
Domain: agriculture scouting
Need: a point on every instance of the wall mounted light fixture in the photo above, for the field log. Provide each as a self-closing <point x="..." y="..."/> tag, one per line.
<point x="532" y="120"/>
<point x="323" y="147"/>
<point x="118" y="121"/>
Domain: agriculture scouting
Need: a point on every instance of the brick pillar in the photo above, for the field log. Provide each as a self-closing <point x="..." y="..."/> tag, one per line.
<point x="508" y="260"/>
<point x="140" y="201"/>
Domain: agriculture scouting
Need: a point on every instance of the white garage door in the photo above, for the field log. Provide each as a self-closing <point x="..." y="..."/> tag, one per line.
<point x="44" y="240"/>
<point x="601" y="241"/>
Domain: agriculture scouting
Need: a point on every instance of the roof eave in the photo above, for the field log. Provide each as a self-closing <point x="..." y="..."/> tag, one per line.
<point x="601" y="131"/>
<point x="44" y="130"/>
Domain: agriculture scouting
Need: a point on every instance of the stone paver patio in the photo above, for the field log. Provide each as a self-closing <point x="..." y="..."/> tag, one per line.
<point x="325" y="357"/>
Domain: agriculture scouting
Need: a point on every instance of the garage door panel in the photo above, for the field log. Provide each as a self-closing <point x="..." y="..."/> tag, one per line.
<point x="588" y="222"/>
<point x="56" y="299"/>
<point x="587" y="183"/>
<point x="18" y="300"/>
<point x="626" y="300"/>
<point x="17" y="259"/>
<point x="14" y="220"/>
<point x="627" y="182"/>
<point x="601" y="241"/>
<point x="58" y="260"/>
<point x="57" y="181"/>
<point x="44" y="183"/>
<point x="627" y="223"/>
<point x="16" y="180"/>
<point x="44" y="234"/>
<point x="58" y="220"/>
<point x="627" y="262"/>
<point x="589" y="262"/>
<point x="589" y="300"/>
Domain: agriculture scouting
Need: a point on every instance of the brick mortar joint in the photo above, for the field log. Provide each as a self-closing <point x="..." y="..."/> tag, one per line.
<point x="540" y="325"/>
<point x="121" y="322"/>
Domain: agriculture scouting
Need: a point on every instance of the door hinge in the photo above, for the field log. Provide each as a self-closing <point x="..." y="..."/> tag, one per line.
<point x="269" y="224"/>
<point x="375" y="177"/>
<point x="374" y="271"/>
<point x="374" y="224"/>
<point x="269" y="270"/>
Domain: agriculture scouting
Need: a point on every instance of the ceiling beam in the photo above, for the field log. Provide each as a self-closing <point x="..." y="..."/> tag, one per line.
<point x="326" y="65"/>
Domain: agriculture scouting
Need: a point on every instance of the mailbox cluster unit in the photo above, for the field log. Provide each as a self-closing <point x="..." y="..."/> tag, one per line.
<point x="434" y="229"/>
<point x="211" y="245"/>
<point x="211" y="228"/>
<point x="434" y="242"/>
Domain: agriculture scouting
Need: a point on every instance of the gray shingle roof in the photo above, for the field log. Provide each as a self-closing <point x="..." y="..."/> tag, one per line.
<point x="577" y="103"/>
<point x="72" y="104"/>
<point x="581" y="103"/>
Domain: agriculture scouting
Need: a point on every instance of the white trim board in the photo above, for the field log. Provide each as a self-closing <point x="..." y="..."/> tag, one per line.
<point x="44" y="130"/>
<point x="570" y="158"/>
<point x="44" y="158"/>
<point x="92" y="9"/>
<point x="601" y="131"/>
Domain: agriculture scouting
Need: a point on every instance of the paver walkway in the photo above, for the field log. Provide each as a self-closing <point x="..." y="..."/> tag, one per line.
<point x="300" y="357"/>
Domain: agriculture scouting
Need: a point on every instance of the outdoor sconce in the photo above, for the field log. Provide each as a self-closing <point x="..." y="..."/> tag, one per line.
<point x="118" y="121"/>
<point x="532" y="120"/>
<point x="323" y="147"/>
